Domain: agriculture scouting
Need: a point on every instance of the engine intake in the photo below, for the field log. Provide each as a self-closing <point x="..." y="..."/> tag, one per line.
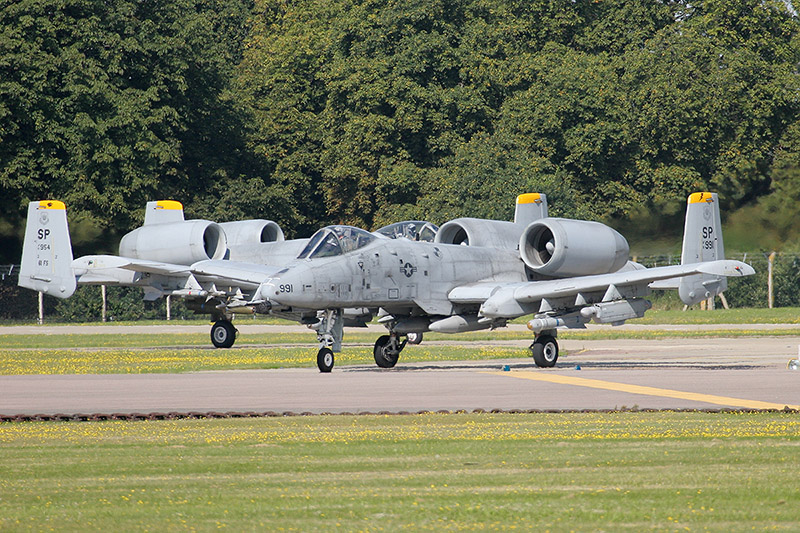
<point x="479" y="232"/>
<point x="562" y="247"/>
<point x="251" y="231"/>
<point x="182" y="243"/>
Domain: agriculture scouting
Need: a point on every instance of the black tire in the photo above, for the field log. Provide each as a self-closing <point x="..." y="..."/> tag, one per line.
<point x="545" y="351"/>
<point x="223" y="334"/>
<point x="414" y="338"/>
<point x="325" y="360"/>
<point x="384" y="357"/>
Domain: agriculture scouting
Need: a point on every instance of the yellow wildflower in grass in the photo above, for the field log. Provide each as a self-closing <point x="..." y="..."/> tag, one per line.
<point x="585" y="471"/>
<point x="477" y="427"/>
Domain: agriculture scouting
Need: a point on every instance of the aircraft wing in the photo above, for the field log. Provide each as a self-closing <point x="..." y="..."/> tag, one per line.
<point x="571" y="287"/>
<point x="506" y="300"/>
<point x="249" y="275"/>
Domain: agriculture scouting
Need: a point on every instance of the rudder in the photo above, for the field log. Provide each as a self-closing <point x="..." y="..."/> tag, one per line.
<point x="163" y="211"/>
<point x="702" y="241"/>
<point x="46" y="264"/>
<point x="530" y="207"/>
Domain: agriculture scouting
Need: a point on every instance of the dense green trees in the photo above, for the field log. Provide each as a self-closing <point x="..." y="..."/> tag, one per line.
<point x="108" y="104"/>
<point x="442" y="108"/>
<point x="366" y="112"/>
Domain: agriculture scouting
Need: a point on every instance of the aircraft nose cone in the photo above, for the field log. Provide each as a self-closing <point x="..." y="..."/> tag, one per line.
<point x="287" y="288"/>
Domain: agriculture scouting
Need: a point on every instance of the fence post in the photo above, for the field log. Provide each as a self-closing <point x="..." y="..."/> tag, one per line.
<point x="105" y="302"/>
<point x="770" y="295"/>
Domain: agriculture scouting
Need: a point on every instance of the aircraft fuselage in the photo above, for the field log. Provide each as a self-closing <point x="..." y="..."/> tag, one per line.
<point x="392" y="274"/>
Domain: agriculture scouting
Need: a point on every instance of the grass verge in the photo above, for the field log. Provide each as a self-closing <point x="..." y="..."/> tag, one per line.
<point x="778" y="315"/>
<point x="578" y="471"/>
<point x="169" y="360"/>
<point x="167" y="339"/>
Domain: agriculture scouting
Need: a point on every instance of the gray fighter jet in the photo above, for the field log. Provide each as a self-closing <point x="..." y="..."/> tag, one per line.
<point x="208" y="264"/>
<point x="563" y="272"/>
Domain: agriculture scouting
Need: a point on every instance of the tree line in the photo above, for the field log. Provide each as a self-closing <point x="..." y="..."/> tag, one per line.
<point x="367" y="112"/>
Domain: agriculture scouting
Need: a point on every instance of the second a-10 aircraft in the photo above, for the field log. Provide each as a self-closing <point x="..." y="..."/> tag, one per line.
<point x="171" y="256"/>
<point x="477" y="274"/>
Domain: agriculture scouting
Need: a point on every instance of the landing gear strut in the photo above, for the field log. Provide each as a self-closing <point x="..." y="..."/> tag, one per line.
<point x="223" y="334"/>
<point x="329" y="334"/>
<point x="387" y="350"/>
<point x="545" y="351"/>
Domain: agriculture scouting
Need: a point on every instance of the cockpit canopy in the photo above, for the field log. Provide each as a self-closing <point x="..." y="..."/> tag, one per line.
<point x="335" y="240"/>
<point x="415" y="230"/>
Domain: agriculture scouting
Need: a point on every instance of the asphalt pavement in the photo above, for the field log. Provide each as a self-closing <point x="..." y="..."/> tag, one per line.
<point x="675" y="373"/>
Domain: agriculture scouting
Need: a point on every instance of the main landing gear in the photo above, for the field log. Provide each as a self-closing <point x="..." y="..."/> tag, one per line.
<point x="545" y="350"/>
<point x="387" y="350"/>
<point x="414" y="338"/>
<point x="223" y="334"/>
<point x="329" y="334"/>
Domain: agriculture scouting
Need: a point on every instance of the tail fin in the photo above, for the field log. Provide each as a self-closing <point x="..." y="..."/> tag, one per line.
<point x="702" y="241"/>
<point x="47" y="251"/>
<point x="530" y="208"/>
<point x="163" y="211"/>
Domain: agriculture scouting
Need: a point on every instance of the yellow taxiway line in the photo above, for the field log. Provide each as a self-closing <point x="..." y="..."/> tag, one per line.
<point x="641" y="389"/>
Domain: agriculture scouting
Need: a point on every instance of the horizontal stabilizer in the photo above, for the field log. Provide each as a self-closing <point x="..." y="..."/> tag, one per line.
<point x="92" y="263"/>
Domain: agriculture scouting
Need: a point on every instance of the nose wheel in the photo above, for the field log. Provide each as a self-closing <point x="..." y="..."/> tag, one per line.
<point x="325" y="360"/>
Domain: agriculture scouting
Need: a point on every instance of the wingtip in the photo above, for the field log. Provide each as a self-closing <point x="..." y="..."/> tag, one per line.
<point x="745" y="270"/>
<point x="726" y="267"/>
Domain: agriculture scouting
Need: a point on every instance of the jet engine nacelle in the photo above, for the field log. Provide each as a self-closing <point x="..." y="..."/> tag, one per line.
<point x="251" y="231"/>
<point x="561" y="247"/>
<point x="479" y="232"/>
<point x="181" y="243"/>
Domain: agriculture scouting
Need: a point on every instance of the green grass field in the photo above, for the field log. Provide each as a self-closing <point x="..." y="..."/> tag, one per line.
<point x="583" y="471"/>
<point x="185" y="352"/>
<point x="627" y="471"/>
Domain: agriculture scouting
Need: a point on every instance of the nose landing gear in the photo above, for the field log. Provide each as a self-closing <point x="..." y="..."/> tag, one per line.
<point x="329" y="334"/>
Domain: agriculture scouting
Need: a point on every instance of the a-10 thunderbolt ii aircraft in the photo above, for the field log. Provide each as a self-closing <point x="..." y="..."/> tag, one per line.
<point x="170" y="256"/>
<point x="563" y="272"/>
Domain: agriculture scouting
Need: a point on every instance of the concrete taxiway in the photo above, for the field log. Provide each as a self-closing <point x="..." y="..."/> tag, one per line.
<point x="686" y="373"/>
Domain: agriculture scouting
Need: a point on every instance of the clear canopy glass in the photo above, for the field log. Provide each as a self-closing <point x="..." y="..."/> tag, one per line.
<point x="415" y="230"/>
<point x="335" y="240"/>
